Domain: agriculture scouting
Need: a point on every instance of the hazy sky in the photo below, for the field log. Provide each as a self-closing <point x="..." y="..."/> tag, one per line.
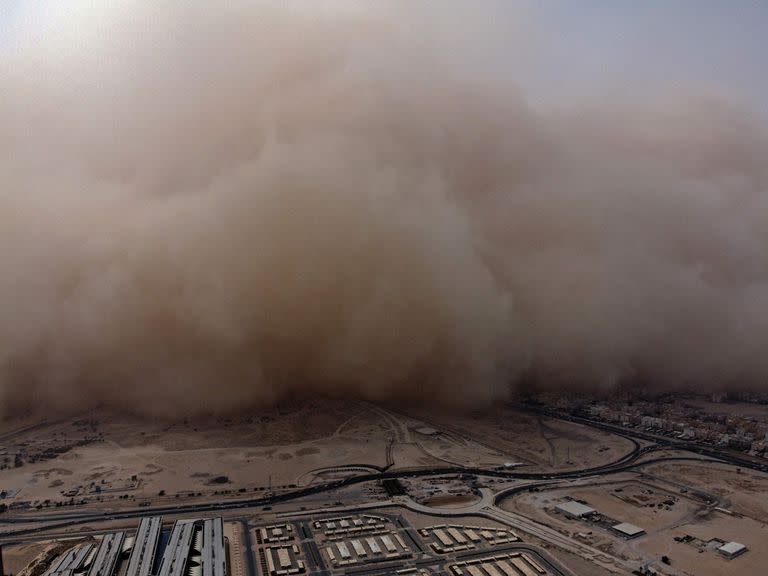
<point x="596" y="49"/>
<point x="212" y="206"/>
<point x="594" y="45"/>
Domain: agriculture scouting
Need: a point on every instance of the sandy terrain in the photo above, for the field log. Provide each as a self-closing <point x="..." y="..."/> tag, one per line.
<point x="542" y="443"/>
<point x="104" y="454"/>
<point x="626" y="500"/>
<point x="579" y="565"/>
<point x="17" y="557"/>
<point x="120" y="462"/>
<point x="689" y="561"/>
<point x="744" y="492"/>
<point x="177" y="471"/>
<point x="638" y="502"/>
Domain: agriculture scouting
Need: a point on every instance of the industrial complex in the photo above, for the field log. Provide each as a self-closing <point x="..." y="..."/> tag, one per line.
<point x="188" y="548"/>
<point x="331" y="545"/>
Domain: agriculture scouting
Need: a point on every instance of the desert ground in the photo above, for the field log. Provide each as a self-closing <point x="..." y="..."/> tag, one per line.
<point x="668" y="501"/>
<point x="101" y="462"/>
<point x="539" y="442"/>
<point x="117" y="461"/>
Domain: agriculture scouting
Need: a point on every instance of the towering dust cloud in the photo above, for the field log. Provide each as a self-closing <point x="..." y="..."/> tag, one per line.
<point x="207" y="209"/>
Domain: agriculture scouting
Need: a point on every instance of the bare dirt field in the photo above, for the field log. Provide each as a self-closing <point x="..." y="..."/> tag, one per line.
<point x="631" y="500"/>
<point x="540" y="442"/>
<point x="661" y="501"/>
<point x="116" y="460"/>
<point x="17" y="557"/>
<point x="689" y="560"/>
<point x="579" y="565"/>
<point x="743" y="492"/>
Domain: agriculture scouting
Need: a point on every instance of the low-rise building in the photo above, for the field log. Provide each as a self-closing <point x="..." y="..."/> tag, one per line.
<point x="732" y="549"/>
<point x="574" y="509"/>
<point x="628" y="530"/>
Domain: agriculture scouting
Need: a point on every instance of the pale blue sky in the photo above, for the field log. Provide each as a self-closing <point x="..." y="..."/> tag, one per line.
<point x="717" y="45"/>
<point x="595" y="48"/>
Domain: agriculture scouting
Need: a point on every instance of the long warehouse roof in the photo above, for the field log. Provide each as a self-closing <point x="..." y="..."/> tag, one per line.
<point x="71" y="561"/>
<point x="177" y="551"/>
<point x="109" y="550"/>
<point x="145" y="546"/>
<point x="213" y="555"/>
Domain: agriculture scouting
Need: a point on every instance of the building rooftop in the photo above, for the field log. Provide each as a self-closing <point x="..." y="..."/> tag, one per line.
<point x="574" y="508"/>
<point x="628" y="529"/>
<point x="732" y="548"/>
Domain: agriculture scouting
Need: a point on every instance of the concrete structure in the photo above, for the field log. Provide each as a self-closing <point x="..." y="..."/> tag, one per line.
<point x="213" y="555"/>
<point x="456" y="538"/>
<point x="732" y="549"/>
<point x="276" y="533"/>
<point x="347" y="526"/>
<point x="374" y="546"/>
<point x="204" y="538"/>
<point x="145" y="547"/>
<point x="573" y="509"/>
<point x="178" y="549"/>
<point x="359" y="549"/>
<point x="472" y="535"/>
<point x="444" y="540"/>
<point x="628" y="530"/>
<point x="456" y="535"/>
<point x="388" y="544"/>
<point x="107" y="555"/>
<point x="72" y="561"/>
<point x="514" y="564"/>
<point x="284" y="560"/>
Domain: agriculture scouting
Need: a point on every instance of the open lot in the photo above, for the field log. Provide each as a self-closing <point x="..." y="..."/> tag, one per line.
<point x="667" y="502"/>
<point x="119" y="460"/>
<point x="510" y="435"/>
<point x="100" y="458"/>
<point x="742" y="491"/>
<point x="689" y="560"/>
<point x="634" y="500"/>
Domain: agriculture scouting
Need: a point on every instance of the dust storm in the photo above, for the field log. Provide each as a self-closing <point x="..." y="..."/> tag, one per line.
<point x="207" y="209"/>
